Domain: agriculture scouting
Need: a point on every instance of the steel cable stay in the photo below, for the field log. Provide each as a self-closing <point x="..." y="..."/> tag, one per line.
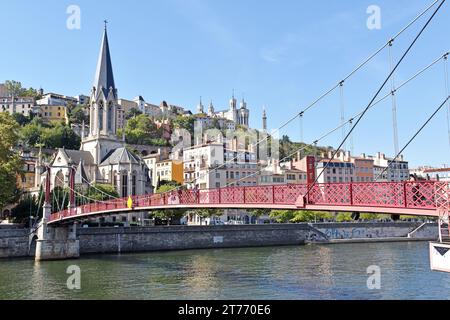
<point x="87" y="197"/>
<point x="314" y="143"/>
<point x="329" y="91"/>
<point x="342" y="107"/>
<point x="394" y="102"/>
<point x="447" y="92"/>
<point x="415" y="135"/>
<point x="351" y="120"/>
<point x="376" y="94"/>
<point x="365" y="62"/>
<point x="97" y="189"/>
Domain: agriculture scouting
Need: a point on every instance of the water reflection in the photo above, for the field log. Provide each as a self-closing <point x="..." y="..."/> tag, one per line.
<point x="305" y="272"/>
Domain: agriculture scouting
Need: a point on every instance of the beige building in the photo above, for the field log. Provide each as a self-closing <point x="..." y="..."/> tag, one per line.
<point x="22" y="105"/>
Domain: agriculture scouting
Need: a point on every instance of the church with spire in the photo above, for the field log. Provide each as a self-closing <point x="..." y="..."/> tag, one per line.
<point x="103" y="157"/>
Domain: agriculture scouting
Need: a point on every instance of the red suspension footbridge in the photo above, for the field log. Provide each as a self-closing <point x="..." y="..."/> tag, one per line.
<point x="425" y="198"/>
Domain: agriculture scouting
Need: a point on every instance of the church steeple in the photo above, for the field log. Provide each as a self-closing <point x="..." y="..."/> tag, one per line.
<point x="103" y="104"/>
<point x="104" y="77"/>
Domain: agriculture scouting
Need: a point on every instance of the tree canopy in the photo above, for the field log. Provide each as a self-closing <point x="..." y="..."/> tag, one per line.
<point x="142" y="130"/>
<point x="15" y="89"/>
<point x="58" y="135"/>
<point x="10" y="162"/>
<point x="77" y="115"/>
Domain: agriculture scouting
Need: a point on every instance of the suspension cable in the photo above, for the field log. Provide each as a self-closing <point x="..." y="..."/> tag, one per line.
<point x="447" y="92"/>
<point x="350" y="121"/>
<point x="328" y="92"/>
<point x="301" y="127"/>
<point x="97" y="189"/>
<point x="352" y="146"/>
<point x="377" y="93"/>
<point x="394" y="102"/>
<point x="414" y="136"/>
<point x="86" y="197"/>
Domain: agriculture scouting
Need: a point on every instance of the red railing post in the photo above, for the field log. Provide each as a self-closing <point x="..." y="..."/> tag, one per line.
<point x="220" y="196"/>
<point x="273" y="194"/>
<point x="245" y="195"/>
<point x="405" y="199"/>
<point x="351" y="194"/>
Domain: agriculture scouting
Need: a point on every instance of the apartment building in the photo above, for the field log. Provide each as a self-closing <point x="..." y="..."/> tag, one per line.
<point x="52" y="113"/>
<point x="388" y="169"/>
<point x="23" y="105"/>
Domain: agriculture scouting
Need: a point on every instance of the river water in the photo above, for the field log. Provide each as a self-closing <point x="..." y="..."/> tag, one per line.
<point x="301" y="272"/>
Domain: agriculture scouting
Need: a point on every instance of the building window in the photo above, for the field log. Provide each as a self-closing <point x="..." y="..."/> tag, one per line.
<point x="134" y="184"/>
<point x="124" y="185"/>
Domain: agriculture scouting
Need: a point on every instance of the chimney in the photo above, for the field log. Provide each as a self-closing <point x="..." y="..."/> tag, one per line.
<point x="348" y="155"/>
<point x="330" y="154"/>
<point x="379" y="155"/>
<point x="363" y="156"/>
<point x="299" y="155"/>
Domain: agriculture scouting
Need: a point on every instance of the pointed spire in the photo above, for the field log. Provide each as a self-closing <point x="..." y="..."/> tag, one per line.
<point x="104" y="77"/>
<point x="264" y="119"/>
<point x="200" y="108"/>
<point x="211" y="109"/>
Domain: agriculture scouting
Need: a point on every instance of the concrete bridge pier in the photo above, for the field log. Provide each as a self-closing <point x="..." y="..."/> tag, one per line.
<point x="56" y="243"/>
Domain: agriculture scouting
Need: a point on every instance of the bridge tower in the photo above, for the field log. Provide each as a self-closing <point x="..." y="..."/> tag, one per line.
<point x="56" y="242"/>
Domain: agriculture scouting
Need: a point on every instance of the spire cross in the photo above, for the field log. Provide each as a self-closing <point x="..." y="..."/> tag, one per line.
<point x="106" y="22"/>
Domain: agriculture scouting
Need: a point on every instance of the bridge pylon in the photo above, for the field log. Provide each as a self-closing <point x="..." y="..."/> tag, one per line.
<point x="55" y="243"/>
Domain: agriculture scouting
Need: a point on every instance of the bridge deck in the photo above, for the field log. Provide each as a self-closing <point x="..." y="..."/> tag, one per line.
<point x="405" y="198"/>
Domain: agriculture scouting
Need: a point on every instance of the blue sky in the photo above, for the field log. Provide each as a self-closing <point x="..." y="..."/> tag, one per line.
<point x="282" y="54"/>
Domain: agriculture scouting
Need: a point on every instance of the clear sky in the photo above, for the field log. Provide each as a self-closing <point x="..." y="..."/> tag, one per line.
<point x="282" y="54"/>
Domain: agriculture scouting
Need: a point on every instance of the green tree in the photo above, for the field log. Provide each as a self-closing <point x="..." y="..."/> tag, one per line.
<point x="30" y="134"/>
<point x="133" y="113"/>
<point x="311" y="216"/>
<point x="344" y="217"/>
<point x="183" y="122"/>
<point x="15" y="89"/>
<point x="27" y="207"/>
<point x="259" y="212"/>
<point x="141" y="130"/>
<point x="77" y="115"/>
<point x="102" y="192"/>
<point x="10" y="162"/>
<point x="21" y="119"/>
<point x="60" y="136"/>
<point x="282" y="216"/>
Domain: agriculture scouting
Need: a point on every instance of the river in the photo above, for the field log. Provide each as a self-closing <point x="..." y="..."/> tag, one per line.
<point x="337" y="271"/>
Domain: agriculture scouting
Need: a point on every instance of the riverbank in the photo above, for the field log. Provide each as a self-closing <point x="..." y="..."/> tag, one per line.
<point x="16" y="243"/>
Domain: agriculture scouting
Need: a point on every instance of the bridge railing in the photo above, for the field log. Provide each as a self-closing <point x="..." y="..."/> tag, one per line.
<point x="411" y="195"/>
